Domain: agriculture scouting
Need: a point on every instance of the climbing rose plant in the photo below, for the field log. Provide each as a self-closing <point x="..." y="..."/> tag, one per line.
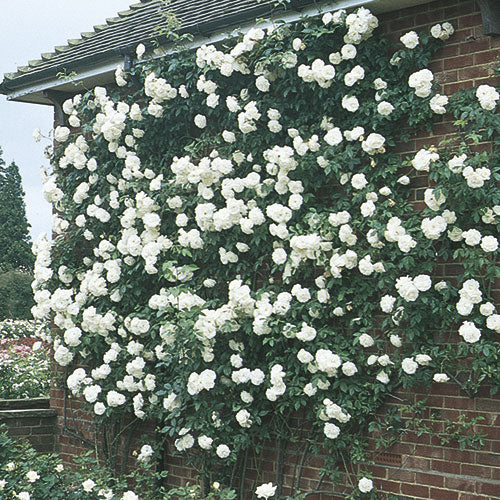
<point x="237" y="240"/>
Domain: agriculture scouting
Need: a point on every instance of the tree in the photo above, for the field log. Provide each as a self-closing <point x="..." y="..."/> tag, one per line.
<point x="15" y="245"/>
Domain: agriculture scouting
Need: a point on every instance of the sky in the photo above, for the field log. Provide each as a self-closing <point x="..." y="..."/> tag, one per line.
<point x="28" y="28"/>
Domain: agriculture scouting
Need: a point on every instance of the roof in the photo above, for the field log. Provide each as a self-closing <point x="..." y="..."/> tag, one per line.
<point x="141" y="23"/>
<point x="106" y="46"/>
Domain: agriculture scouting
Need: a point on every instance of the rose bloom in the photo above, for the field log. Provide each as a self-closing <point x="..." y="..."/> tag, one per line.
<point x="223" y="451"/>
<point x="489" y="244"/>
<point x="440" y="377"/>
<point x="88" y="485"/>
<point x="265" y="490"/>
<point x="385" y="108"/>
<point x="366" y="340"/>
<point x="331" y="430"/>
<point x="200" y="121"/>
<point x="469" y="332"/>
<point x="365" y="485"/>
<point x="409" y="365"/>
<point x="410" y="40"/>
<point x="349" y="368"/>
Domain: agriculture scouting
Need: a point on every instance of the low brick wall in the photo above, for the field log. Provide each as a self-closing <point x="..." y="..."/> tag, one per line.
<point x="31" y="419"/>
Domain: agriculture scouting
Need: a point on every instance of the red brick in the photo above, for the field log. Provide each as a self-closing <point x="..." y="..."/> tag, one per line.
<point x="492" y="459"/>
<point x="459" y="455"/>
<point x="491" y="432"/>
<point x="429" y="451"/>
<point x="401" y="475"/>
<point x="474" y="46"/>
<point x="473" y="72"/>
<point x="389" y="486"/>
<point x="475" y="470"/>
<point x="488" y="489"/>
<point x="445" y="466"/>
<point x="378" y="471"/>
<point x="430" y="479"/>
<point x="455" y="483"/>
<point x="458" y="62"/>
<point x="455" y="87"/>
<point x="488" y="405"/>
<point x="443" y="494"/>
<point x="472" y="20"/>
<point x="449" y="50"/>
<point x="415" y="490"/>
<point x="461" y="403"/>
<point x="467" y="496"/>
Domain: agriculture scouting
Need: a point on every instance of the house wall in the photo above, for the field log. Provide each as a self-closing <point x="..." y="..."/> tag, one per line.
<point x="419" y="466"/>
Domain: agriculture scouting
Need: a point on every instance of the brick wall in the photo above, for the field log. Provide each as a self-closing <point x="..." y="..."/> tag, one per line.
<point x="30" y="419"/>
<point x="418" y="466"/>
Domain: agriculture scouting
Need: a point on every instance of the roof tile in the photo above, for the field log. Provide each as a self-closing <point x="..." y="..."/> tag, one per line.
<point x="138" y="24"/>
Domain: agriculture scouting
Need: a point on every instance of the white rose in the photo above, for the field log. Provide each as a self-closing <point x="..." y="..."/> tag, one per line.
<point x="350" y="103"/>
<point x="489" y="243"/>
<point x="331" y="430"/>
<point x="438" y="103"/>
<point x="366" y="340"/>
<point x="395" y="340"/>
<point x="348" y="51"/>
<point x="472" y="237"/>
<point x="487" y="309"/>
<point x="349" y="368"/>
<point x="265" y="490"/>
<point x="440" y="378"/>
<point x="493" y="322"/>
<point x="387" y="303"/>
<point x="422" y="282"/>
<point x="262" y="84"/>
<point x="410" y="40"/>
<point x="279" y="256"/>
<point x="409" y="365"/>
<point x="373" y="143"/>
<point x="200" y="121"/>
<point x="358" y="181"/>
<point x="61" y="134"/>
<point x="469" y="332"/>
<point x="223" y="451"/>
<point x="365" y="485"/>
<point x="385" y="108"/>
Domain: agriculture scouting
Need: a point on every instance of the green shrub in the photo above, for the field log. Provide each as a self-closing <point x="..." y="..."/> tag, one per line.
<point x="16" y="296"/>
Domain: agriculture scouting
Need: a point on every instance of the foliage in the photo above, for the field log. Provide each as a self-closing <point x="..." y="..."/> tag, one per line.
<point x="15" y="248"/>
<point x="24" y="361"/>
<point x="194" y="492"/>
<point x="237" y="244"/>
<point x="19" y="329"/>
<point x="28" y="475"/>
<point x="16" y="295"/>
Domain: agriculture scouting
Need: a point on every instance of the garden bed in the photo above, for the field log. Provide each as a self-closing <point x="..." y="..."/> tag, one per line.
<point x="24" y="360"/>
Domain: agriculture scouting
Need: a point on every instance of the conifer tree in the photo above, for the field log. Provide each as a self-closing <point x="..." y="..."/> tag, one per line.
<point x="15" y="246"/>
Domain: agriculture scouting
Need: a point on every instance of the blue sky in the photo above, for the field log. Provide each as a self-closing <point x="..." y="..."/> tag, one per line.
<point x="28" y="28"/>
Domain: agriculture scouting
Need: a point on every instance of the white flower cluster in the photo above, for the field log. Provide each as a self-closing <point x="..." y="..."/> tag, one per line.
<point x="360" y="25"/>
<point x="442" y="31"/>
<point x="409" y="288"/>
<point x="421" y="81"/>
<point x="487" y="96"/>
<point x="423" y="159"/>
<point x="318" y="72"/>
